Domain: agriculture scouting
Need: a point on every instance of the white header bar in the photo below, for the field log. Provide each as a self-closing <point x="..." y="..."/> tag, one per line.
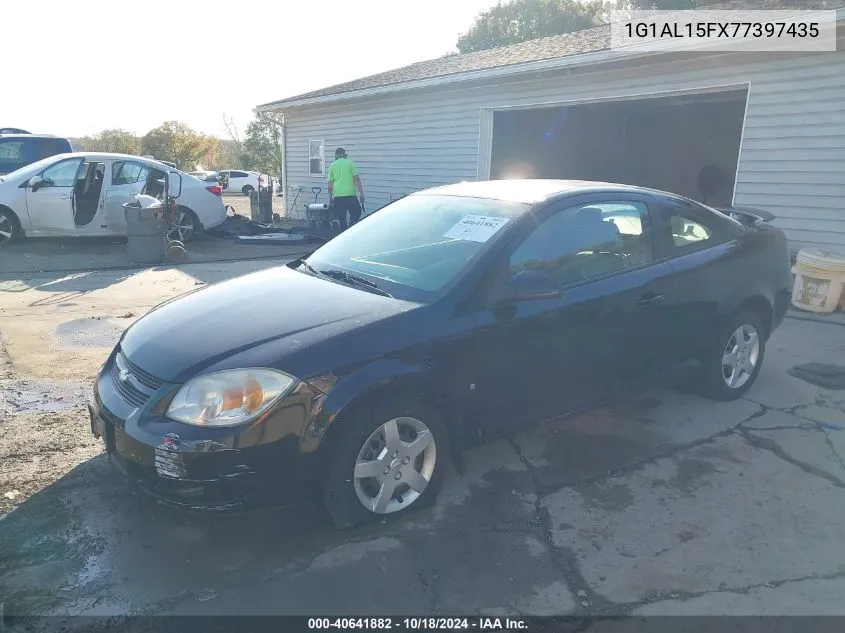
<point x="763" y="30"/>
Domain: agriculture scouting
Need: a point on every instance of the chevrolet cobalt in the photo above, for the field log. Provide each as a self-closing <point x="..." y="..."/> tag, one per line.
<point x="450" y="316"/>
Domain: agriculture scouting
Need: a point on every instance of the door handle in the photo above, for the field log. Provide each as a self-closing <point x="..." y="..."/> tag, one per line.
<point x="63" y="197"/>
<point x="650" y="300"/>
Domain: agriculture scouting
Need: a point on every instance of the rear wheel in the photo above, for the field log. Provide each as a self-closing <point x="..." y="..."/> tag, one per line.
<point x="385" y="464"/>
<point x="247" y="189"/>
<point x="187" y="225"/>
<point x="10" y="229"/>
<point x="734" y="361"/>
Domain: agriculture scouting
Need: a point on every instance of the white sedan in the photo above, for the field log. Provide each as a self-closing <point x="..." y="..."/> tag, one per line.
<point x="82" y="194"/>
<point x="242" y="181"/>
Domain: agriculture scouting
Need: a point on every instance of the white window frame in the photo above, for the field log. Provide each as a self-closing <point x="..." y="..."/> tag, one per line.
<point x="322" y="157"/>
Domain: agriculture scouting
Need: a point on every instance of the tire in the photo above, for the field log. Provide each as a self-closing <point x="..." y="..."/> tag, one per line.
<point x="10" y="227"/>
<point x="718" y="373"/>
<point x="247" y="189"/>
<point x="363" y="441"/>
<point x="189" y="225"/>
<point x="176" y="253"/>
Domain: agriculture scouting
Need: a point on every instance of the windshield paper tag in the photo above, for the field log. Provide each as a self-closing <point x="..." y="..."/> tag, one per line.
<point x="476" y="228"/>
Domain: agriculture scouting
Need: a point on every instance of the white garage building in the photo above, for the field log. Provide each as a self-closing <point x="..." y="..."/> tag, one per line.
<point x="570" y="107"/>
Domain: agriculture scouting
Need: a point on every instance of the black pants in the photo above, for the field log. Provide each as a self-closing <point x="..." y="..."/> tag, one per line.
<point x="346" y="204"/>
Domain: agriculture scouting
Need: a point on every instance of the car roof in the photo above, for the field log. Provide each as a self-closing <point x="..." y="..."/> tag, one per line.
<point x="139" y="159"/>
<point x="530" y="191"/>
<point x="26" y="136"/>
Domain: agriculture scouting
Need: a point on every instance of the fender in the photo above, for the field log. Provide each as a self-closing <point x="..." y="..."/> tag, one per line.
<point x="341" y="392"/>
<point x="395" y="375"/>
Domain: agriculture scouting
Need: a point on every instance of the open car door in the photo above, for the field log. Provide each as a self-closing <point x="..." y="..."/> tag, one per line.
<point x="127" y="180"/>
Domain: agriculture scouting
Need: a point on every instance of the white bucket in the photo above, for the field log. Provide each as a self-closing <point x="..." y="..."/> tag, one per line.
<point x="819" y="280"/>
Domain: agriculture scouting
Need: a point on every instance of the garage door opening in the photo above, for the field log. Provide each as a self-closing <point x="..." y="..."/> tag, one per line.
<point x="687" y="144"/>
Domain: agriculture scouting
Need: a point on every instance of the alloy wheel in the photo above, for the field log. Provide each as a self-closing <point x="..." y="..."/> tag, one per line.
<point x="741" y="355"/>
<point x="7" y="229"/>
<point x="184" y="226"/>
<point x="395" y="465"/>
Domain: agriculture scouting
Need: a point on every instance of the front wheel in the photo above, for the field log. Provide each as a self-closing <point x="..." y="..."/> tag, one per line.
<point x="733" y="363"/>
<point x="385" y="464"/>
<point x="9" y="228"/>
<point x="247" y="189"/>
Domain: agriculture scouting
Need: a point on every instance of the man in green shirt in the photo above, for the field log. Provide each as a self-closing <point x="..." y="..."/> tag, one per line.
<point x="343" y="183"/>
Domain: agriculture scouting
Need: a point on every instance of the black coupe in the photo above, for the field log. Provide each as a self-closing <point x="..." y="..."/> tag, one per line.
<point x="448" y="317"/>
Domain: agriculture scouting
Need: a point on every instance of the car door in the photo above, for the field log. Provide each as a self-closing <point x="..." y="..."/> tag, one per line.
<point x="50" y="205"/>
<point x="237" y="180"/>
<point x="127" y="179"/>
<point x="704" y="250"/>
<point x="544" y="357"/>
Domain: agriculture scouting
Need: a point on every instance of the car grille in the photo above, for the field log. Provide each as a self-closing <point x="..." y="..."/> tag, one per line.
<point x="132" y="384"/>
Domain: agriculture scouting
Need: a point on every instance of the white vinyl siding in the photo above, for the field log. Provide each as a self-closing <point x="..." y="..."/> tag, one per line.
<point x="792" y="157"/>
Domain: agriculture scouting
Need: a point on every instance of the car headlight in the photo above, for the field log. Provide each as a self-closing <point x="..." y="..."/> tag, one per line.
<point x="229" y="398"/>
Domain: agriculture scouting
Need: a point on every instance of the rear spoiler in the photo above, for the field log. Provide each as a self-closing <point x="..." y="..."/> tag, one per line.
<point x="747" y="214"/>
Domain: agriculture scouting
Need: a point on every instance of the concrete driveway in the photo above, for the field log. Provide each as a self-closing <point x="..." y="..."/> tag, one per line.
<point x="663" y="504"/>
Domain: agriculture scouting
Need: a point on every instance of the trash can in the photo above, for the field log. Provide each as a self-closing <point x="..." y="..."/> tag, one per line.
<point x="146" y="230"/>
<point x="265" y="205"/>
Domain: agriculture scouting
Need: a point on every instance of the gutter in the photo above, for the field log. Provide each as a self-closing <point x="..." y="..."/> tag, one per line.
<point x="579" y="59"/>
<point x="284" y="142"/>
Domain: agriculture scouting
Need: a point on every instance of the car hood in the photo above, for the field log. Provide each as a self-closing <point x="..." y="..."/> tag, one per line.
<point x="263" y="319"/>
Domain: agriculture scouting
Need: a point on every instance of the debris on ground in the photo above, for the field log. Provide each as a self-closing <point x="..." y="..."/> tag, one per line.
<point x="821" y="375"/>
<point x="247" y="231"/>
<point x="273" y="238"/>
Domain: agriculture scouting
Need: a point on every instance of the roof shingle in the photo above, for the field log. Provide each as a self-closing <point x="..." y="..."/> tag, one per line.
<point x="545" y="48"/>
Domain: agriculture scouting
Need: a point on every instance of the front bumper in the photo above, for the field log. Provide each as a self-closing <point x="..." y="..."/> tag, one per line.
<point x="211" y="470"/>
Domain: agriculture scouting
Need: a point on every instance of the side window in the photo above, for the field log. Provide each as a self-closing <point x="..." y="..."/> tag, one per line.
<point x="128" y="173"/>
<point x="63" y="173"/>
<point x="316" y="157"/>
<point x="46" y="147"/>
<point x="688" y="230"/>
<point x="587" y="241"/>
<point x="237" y="174"/>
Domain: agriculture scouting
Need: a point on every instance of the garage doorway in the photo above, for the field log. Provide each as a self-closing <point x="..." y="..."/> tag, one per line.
<point x="684" y="143"/>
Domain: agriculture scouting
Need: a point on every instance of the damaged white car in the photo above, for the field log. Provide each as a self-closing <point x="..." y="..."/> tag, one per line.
<point x="83" y="193"/>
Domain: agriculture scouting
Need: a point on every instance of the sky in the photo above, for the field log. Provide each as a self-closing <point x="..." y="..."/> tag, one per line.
<point x="88" y="66"/>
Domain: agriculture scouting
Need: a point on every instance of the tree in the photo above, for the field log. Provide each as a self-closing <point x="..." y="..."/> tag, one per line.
<point x="663" y="5"/>
<point x="263" y="143"/>
<point x="176" y="142"/>
<point x="117" y="141"/>
<point x="521" y="20"/>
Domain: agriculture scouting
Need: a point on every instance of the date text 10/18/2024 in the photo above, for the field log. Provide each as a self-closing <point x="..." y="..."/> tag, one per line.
<point x="420" y="624"/>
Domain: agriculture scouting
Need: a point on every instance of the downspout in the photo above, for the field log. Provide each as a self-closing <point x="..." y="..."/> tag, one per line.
<point x="284" y="165"/>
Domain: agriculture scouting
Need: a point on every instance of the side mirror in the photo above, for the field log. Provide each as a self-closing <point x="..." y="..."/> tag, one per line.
<point x="36" y="182"/>
<point x="529" y="285"/>
<point x="174" y="184"/>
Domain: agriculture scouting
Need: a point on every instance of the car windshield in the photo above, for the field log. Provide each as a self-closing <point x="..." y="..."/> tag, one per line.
<point x="418" y="246"/>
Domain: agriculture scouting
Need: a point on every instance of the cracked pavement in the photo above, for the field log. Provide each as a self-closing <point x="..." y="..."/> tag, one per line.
<point x="666" y="503"/>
